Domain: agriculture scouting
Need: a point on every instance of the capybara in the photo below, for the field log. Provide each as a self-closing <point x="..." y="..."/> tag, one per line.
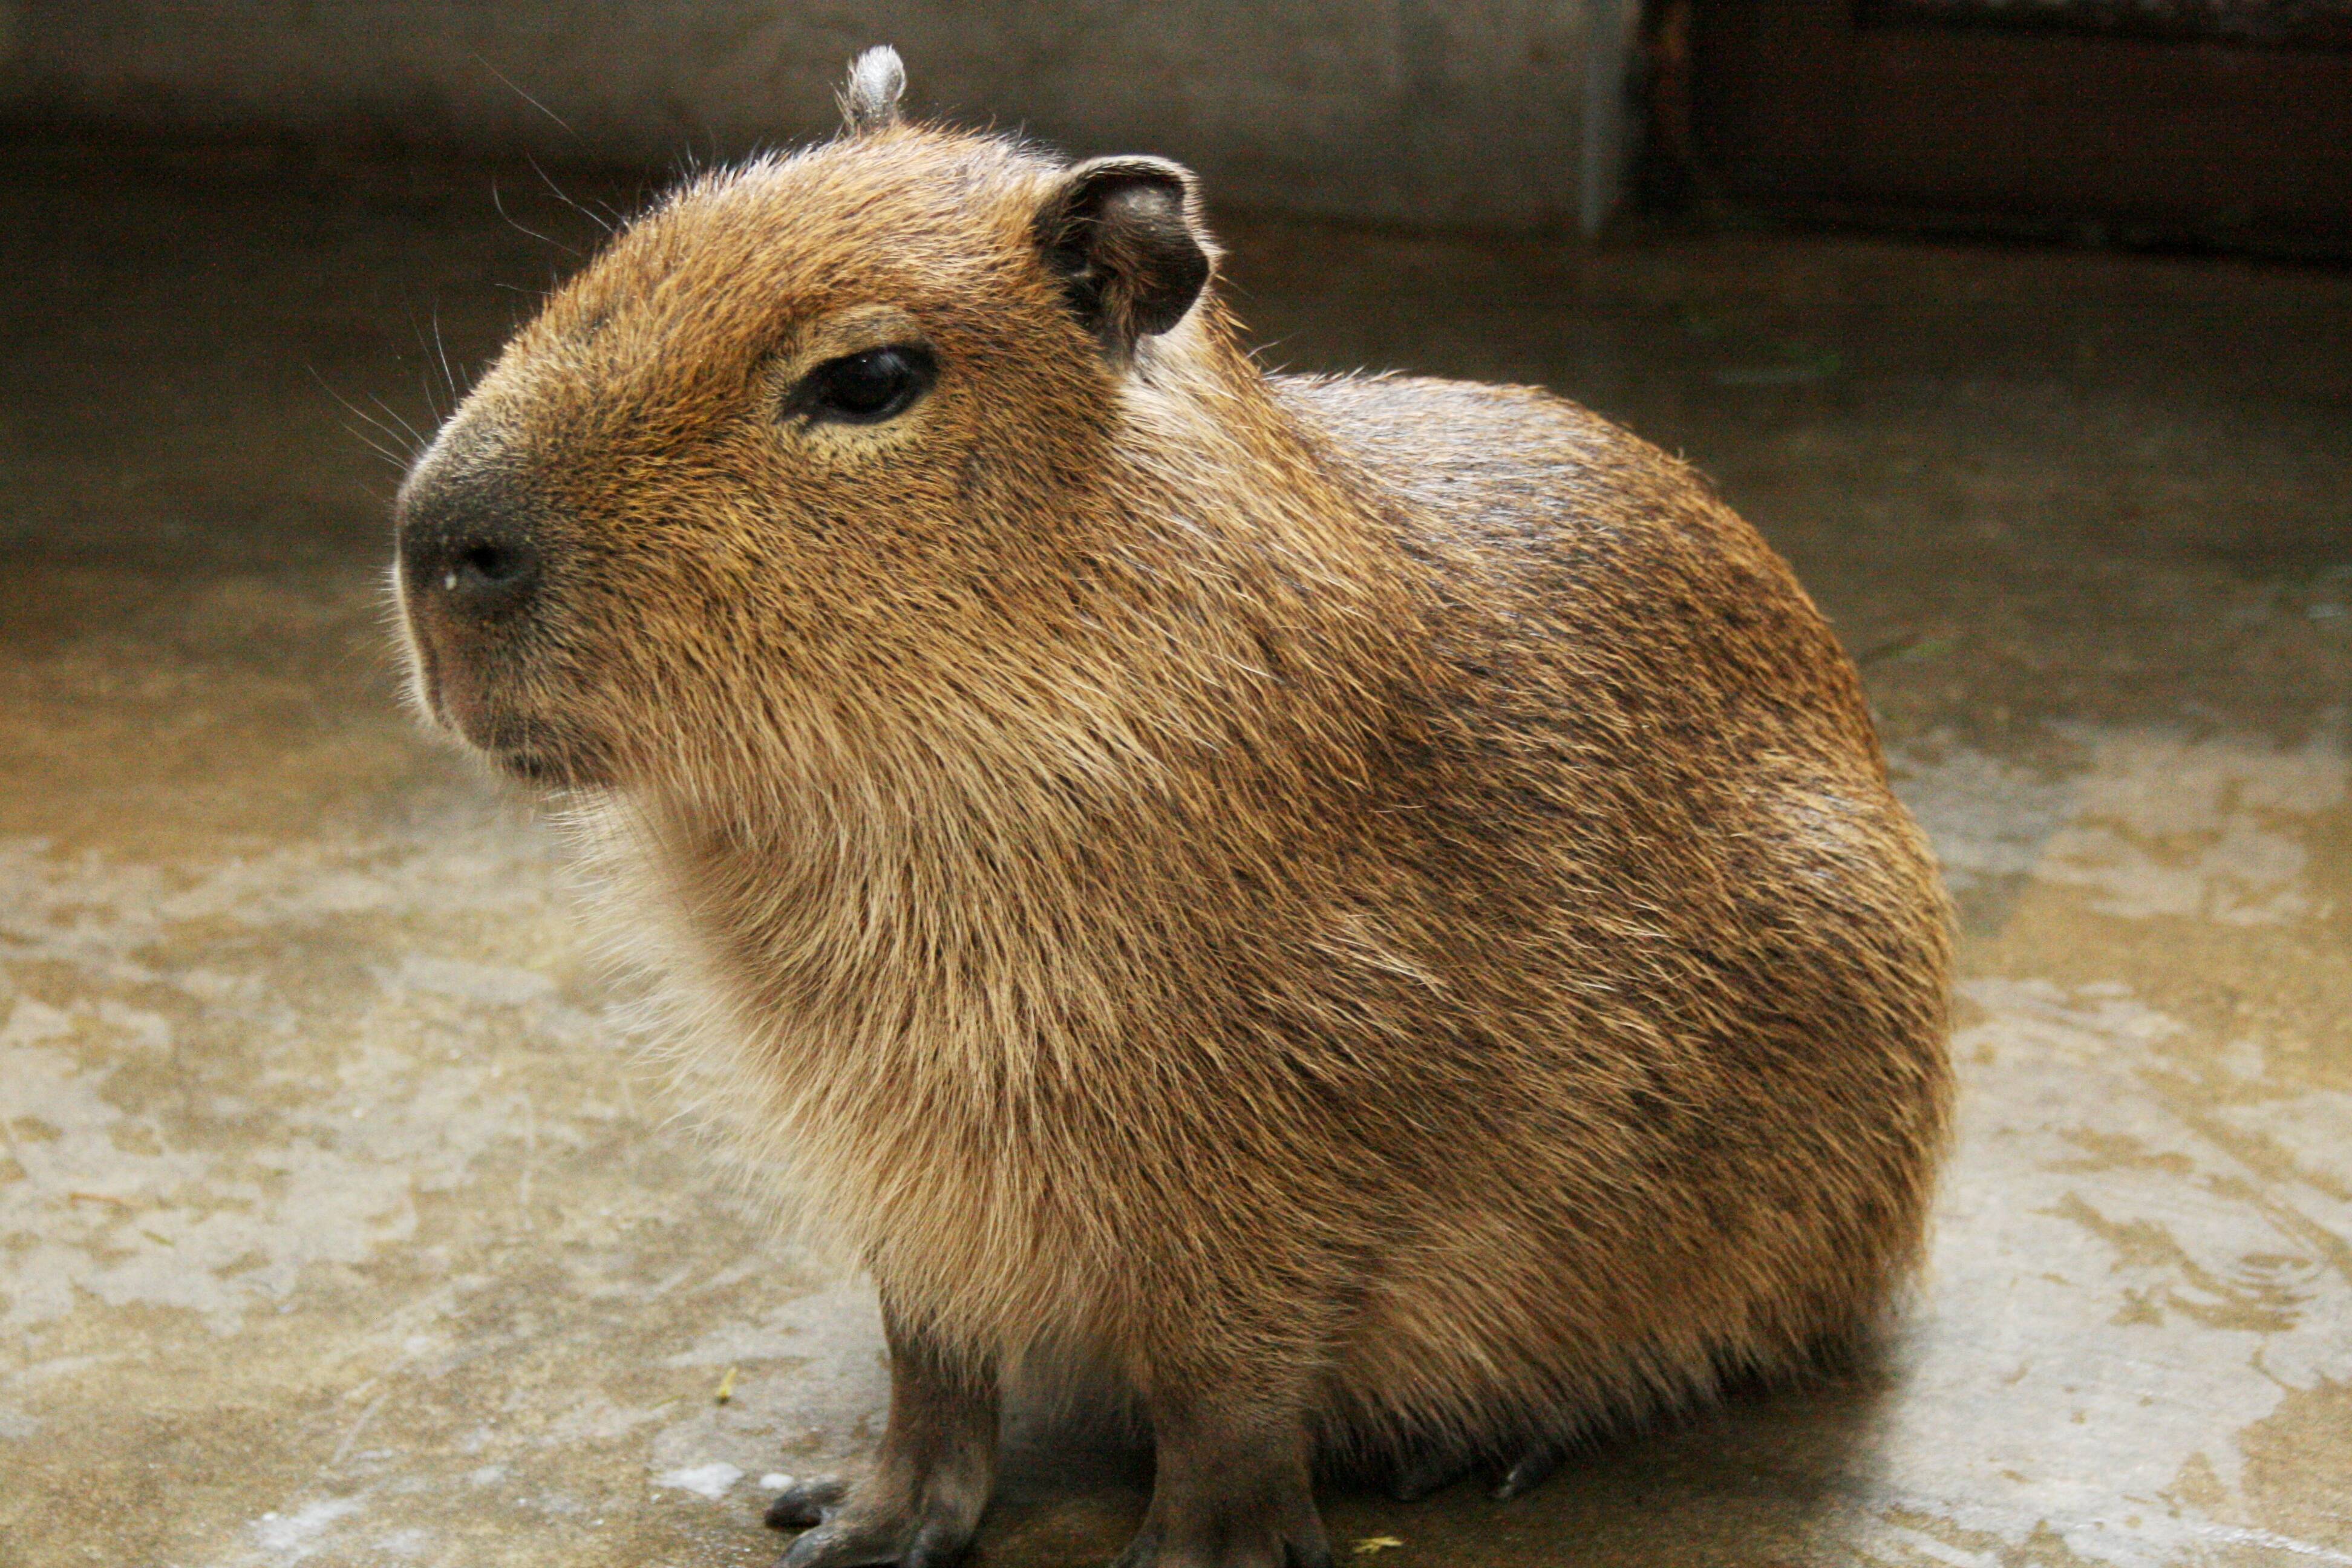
<point x="1364" y="913"/>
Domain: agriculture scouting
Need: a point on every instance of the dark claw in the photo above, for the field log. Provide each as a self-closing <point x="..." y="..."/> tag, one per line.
<point x="800" y="1506"/>
<point x="1533" y="1468"/>
<point x="819" y="1545"/>
<point x="855" y="1541"/>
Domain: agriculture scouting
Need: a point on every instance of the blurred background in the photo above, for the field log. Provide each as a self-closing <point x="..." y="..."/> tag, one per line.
<point x="2225" y="122"/>
<point x="337" y="1225"/>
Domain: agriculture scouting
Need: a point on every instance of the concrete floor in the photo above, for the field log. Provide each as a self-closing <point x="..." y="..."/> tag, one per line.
<point x="337" y="1225"/>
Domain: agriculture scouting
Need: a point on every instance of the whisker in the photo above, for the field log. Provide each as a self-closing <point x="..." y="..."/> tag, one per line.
<point x="543" y="239"/>
<point x="396" y="460"/>
<point x="532" y="101"/>
<point x="563" y="196"/>
<point x="415" y="435"/>
<point x="456" y="395"/>
<point x="425" y="350"/>
<point x="362" y="437"/>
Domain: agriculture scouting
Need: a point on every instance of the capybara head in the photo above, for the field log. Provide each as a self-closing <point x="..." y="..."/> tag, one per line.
<point x="815" y="443"/>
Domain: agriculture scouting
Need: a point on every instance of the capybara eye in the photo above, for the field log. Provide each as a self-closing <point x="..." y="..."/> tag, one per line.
<point x="865" y="388"/>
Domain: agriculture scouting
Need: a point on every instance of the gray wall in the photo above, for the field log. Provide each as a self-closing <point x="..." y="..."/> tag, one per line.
<point x="1479" y="111"/>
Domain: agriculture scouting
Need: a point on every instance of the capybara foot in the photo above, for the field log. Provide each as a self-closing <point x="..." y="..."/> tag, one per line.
<point x="1291" y="1538"/>
<point x="922" y="1506"/>
<point x="871" y="1525"/>
<point x="1233" y="1490"/>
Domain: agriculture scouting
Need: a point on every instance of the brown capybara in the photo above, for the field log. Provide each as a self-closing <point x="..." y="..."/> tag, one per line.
<point x="1366" y="913"/>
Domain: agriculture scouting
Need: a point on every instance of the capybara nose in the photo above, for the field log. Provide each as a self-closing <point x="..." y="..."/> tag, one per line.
<point x="486" y="577"/>
<point x="468" y="551"/>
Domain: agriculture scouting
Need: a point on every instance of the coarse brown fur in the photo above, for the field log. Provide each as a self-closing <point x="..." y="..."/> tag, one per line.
<point x="1368" y="909"/>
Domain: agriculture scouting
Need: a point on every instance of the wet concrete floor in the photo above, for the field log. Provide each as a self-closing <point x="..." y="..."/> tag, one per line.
<point x="338" y="1224"/>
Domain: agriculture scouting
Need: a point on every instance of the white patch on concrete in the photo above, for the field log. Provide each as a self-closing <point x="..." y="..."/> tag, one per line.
<point x="594" y="1418"/>
<point x="2162" y="825"/>
<point x="291" y="1537"/>
<point x="412" y="1542"/>
<point x="1987" y="818"/>
<point x="499" y="985"/>
<point x="31" y="1022"/>
<point x="42" y="1372"/>
<point x="713" y="1480"/>
<point x="2110" y="1263"/>
<point x="2151" y="824"/>
<point x="777" y="1481"/>
<point x="128" y="1210"/>
<point x="834" y="1381"/>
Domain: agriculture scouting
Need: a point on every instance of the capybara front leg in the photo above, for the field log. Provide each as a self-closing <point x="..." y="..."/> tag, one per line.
<point x="931" y="1479"/>
<point x="1233" y="1488"/>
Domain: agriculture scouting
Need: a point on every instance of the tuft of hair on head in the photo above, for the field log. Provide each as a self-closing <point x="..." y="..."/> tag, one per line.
<point x="869" y="101"/>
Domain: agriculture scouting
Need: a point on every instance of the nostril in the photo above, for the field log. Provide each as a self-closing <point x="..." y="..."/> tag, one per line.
<point x="470" y="547"/>
<point x="487" y="566"/>
<point x="486" y="576"/>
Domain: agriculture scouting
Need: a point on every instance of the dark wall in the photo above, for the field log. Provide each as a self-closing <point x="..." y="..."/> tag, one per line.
<point x="1480" y="112"/>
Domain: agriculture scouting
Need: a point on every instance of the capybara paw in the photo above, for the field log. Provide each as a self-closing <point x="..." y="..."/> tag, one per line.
<point x="1230" y="1542"/>
<point x="907" y="1541"/>
<point x="806" y="1502"/>
<point x="857" y="1527"/>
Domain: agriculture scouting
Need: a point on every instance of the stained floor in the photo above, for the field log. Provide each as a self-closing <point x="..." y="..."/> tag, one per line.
<point x="339" y="1225"/>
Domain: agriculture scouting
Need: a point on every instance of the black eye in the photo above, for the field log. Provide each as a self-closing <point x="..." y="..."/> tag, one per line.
<point x="865" y="388"/>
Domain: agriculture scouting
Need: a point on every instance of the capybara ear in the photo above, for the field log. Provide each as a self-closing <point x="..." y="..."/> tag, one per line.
<point x="1121" y="235"/>
<point x="870" y="100"/>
